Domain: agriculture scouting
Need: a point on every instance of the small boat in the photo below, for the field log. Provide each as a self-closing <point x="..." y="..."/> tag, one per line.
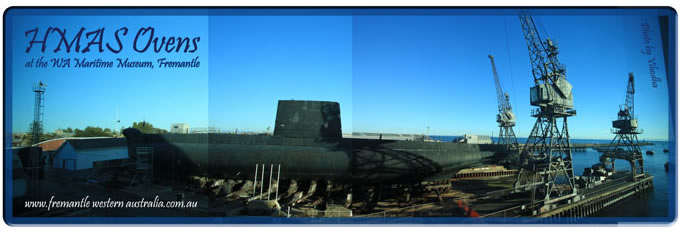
<point x="666" y="150"/>
<point x="650" y="152"/>
<point x="666" y="167"/>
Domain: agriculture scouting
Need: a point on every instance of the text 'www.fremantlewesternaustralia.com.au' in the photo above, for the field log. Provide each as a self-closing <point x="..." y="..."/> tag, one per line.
<point x="86" y="202"/>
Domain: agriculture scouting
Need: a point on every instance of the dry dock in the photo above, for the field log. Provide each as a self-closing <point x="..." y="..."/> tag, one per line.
<point x="600" y="197"/>
<point x="592" y="200"/>
<point x="584" y="146"/>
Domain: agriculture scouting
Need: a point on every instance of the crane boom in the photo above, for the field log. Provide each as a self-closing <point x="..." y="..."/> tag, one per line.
<point x="630" y="92"/>
<point x="503" y="103"/>
<point x="551" y="89"/>
<point x="542" y="53"/>
<point x="505" y="118"/>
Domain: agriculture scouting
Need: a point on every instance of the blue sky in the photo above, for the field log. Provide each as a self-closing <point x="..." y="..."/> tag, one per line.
<point x="390" y="73"/>
<point x="258" y="60"/>
<point x="410" y="72"/>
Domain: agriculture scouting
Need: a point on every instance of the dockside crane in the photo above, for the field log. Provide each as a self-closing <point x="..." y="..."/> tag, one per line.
<point x="505" y="118"/>
<point x="625" y="143"/>
<point x="546" y="159"/>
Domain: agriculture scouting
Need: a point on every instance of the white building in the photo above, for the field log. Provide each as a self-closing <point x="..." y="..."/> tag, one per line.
<point x="477" y="139"/>
<point x="180" y="128"/>
<point x="79" y="154"/>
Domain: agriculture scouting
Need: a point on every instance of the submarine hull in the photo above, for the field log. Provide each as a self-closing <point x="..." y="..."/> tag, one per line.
<point x="358" y="161"/>
<point x="307" y="143"/>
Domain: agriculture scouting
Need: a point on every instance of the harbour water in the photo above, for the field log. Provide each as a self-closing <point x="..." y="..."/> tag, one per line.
<point x="654" y="202"/>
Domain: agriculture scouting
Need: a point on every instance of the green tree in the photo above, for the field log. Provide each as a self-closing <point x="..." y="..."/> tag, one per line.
<point x="148" y="128"/>
<point x="91" y="131"/>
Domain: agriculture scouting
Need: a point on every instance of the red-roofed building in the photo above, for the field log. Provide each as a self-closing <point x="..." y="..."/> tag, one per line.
<point x="52" y="144"/>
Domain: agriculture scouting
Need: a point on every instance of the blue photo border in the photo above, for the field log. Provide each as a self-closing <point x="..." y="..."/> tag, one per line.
<point x="669" y="43"/>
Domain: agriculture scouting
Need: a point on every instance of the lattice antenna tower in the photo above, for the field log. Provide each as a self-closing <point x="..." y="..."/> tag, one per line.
<point x="37" y="125"/>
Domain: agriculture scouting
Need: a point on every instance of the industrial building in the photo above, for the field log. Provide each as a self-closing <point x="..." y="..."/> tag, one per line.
<point x="180" y="128"/>
<point x="385" y="136"/>
<point x="206" y="130"/>
<point x="476" y="139"/>
<point x="85" y="153"/>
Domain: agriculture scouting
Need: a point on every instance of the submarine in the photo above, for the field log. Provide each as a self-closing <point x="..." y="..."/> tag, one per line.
<point x="307" y="144"/>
